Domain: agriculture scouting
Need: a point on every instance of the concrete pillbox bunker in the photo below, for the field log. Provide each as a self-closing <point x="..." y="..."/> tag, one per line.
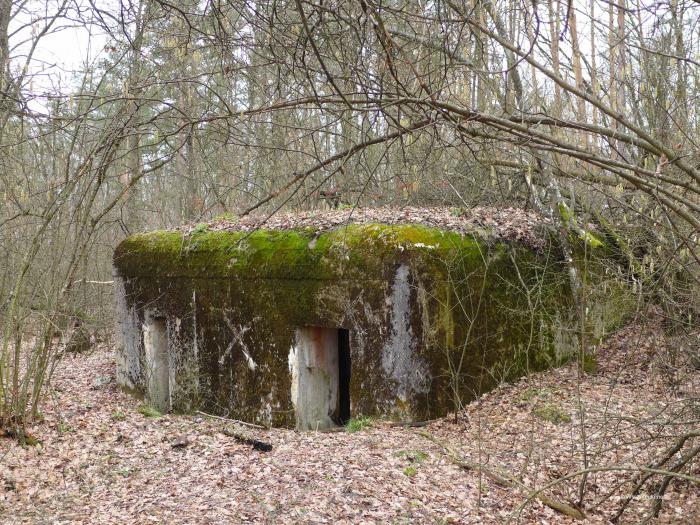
<point x="307" y="327"/>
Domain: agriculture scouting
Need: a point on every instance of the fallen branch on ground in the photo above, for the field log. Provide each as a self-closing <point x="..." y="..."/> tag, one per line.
<point x="643" y="476"/>
<point x="261" y="446"/>
<point x="503" y="478"/>
<point x="229" y="420"/>
<point x="331" y="430"/>
<point x="411" y="424"/>
<point x="79" y="281"/>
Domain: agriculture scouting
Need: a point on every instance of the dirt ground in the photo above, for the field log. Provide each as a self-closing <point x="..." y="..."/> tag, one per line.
<point x="100" y="460"/>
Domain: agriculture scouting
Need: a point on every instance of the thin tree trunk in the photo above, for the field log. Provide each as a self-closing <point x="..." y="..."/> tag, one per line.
<point x="581" y="109"/>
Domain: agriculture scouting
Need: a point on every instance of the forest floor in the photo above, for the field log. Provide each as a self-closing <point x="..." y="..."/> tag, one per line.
<point x="100" y="460"/>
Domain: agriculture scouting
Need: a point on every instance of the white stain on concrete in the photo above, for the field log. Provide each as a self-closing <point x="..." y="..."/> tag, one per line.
<point x="195" y="346"/>
<point x="237" y="332"/>
<point x="293" y="363"/>
<point x="252" y="365"/>
<point x="127" y="325"/>
<point x="399" y="359"/>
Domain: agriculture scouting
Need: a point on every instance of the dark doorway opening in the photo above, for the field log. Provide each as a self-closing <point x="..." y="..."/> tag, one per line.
<point x="344" y="367"/>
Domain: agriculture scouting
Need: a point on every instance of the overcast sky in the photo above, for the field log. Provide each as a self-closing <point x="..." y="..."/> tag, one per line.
<point x="58" y="55"/>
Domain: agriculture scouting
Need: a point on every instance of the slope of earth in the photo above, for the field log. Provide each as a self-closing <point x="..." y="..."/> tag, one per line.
<point x="100" y="460"/>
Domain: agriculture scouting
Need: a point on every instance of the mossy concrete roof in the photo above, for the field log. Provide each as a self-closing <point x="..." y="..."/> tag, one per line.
<point x="326" y="245"/>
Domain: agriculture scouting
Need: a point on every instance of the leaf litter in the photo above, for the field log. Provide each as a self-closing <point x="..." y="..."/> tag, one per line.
<point x="100" y="460"/>
<point x="508" y="224"/>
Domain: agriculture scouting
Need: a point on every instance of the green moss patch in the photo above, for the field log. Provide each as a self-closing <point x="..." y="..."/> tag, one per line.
<point x="149" y="411"/>
<point x="413" y="456"/>
<point x="410" y="471"/>
<point x="358" y="423"/>
<point x="291" y="254"/>
<point x="552" y="413"/>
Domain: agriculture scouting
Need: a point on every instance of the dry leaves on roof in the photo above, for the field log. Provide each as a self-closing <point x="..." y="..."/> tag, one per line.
<point x="510" y="224"/>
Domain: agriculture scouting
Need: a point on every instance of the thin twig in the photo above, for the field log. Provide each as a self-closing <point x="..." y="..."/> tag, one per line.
<point x="502" y="478"/>
<point x="252" y="425"/>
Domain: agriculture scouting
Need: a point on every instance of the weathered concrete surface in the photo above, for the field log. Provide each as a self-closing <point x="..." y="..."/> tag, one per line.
<point x="433" y="316"/>
<point x="313" y="363"/>
<point x="157" y="363"/>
